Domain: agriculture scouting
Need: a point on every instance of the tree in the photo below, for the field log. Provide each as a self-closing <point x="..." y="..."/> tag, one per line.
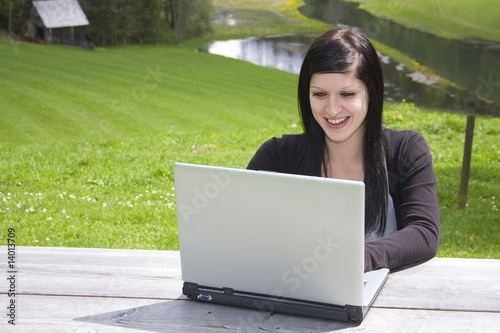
<point x="13" y="14"/>
<point x="148" y="20"/>
<point x="114" y="22"/>
<point x="188" y="18"/>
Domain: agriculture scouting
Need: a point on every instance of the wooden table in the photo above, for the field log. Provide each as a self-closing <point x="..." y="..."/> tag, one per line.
<point x="102" y="290"/>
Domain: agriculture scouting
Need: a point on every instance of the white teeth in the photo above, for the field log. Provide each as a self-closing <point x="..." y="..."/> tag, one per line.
<point x="336" y="121"/>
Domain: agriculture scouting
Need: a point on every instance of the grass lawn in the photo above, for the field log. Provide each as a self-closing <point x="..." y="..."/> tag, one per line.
<point x="88" y="139"/>
<point x="264" y="17"/>
<point x="453" y="19"/>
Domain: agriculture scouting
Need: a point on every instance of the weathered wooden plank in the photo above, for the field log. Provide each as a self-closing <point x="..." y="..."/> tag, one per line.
<point x="80" y="283"/>
<point x="97" y="314"/>
<point x="58" y="313"/>
<point x="99" y="272"/>
<point x="445" y="284"/>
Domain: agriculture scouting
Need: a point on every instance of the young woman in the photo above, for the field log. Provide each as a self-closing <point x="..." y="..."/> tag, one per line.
<point x="340" y="96"/>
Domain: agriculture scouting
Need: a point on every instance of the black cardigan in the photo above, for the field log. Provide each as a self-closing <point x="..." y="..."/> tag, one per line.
<point x="411" y="185"/>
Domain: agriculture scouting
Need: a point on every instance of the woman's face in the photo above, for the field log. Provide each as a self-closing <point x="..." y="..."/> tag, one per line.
<point x="339" y="103"/>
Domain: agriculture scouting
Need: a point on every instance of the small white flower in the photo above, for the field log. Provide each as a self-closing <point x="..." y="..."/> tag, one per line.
<point x="44" y="210"/>
<point x="49" y="219"/>
<point x="63" y="211"/>
<point x="104" y="204"/>
<point x="36" y="241"/>
<point x="47" y="239"/>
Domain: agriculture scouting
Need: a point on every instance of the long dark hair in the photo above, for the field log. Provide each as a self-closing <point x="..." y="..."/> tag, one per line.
<point x="346" y="51"/>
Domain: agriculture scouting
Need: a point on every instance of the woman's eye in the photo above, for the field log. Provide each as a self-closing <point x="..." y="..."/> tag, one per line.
<point x="346" y="94"/>
<point x="319" y="94"/>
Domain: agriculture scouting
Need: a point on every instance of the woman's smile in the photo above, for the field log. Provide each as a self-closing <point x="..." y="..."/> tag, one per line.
<point x="338" y="121"/>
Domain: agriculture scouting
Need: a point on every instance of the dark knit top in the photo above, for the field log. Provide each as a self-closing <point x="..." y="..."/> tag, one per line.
<point x="411" y="185"/>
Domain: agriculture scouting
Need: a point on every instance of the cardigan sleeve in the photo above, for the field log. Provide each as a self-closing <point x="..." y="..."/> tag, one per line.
<point x="412" y="186"/>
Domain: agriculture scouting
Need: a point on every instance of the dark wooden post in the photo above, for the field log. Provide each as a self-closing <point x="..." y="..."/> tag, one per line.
<point x="464" y="183"/>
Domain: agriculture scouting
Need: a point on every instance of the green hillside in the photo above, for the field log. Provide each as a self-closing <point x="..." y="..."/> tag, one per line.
<point x="454" y="19"/>
<point x="88" y="139"/>
<point x="54" y="93"/>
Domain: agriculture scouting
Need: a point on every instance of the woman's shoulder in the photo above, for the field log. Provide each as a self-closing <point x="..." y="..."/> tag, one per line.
<point x="290" y="140"/>
<point x="398" y="141"/>
<point x="288" y="143"/>
<point x="282" y="154"/>
<point x="398" y="136"/>
<point x="405" y="149"/>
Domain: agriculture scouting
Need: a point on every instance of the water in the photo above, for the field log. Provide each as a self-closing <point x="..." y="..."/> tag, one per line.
<point x="285" y="53"/>
<point x="473" y="67"/>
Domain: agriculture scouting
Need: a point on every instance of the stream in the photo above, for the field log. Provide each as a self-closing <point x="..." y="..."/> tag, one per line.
<point x="472" y="66"/>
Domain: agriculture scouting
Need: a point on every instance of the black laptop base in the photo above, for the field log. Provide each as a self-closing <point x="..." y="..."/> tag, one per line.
<point x="227" y="296"/>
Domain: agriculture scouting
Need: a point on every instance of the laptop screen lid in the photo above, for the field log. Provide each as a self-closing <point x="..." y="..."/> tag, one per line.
<point x="283" y="235"/>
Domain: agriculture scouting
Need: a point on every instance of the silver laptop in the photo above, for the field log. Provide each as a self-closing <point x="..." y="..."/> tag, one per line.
<point x="274" y="242"/>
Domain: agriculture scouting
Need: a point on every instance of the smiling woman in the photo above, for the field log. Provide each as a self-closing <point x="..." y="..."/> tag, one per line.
<point x="341" y="101"/>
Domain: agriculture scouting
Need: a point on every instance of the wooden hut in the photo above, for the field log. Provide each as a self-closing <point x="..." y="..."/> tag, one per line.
<point x="58" y="22"/>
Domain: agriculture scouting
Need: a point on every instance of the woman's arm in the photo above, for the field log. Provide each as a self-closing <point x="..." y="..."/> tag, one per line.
<point x="412" y="186"/>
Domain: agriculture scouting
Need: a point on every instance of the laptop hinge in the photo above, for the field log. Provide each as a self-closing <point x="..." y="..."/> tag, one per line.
<point x="228" y="291"/>
<point x="355" y="313"/>
<point x="189" y="289"/>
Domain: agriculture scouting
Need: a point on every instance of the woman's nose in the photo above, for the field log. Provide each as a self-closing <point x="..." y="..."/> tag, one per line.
<point x="333" y="106"/>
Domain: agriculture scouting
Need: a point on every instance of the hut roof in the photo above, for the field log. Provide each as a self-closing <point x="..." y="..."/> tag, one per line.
<point x="60" y="13"/>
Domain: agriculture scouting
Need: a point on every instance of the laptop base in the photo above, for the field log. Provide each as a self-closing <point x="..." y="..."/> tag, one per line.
<point x="228" y="296"/>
